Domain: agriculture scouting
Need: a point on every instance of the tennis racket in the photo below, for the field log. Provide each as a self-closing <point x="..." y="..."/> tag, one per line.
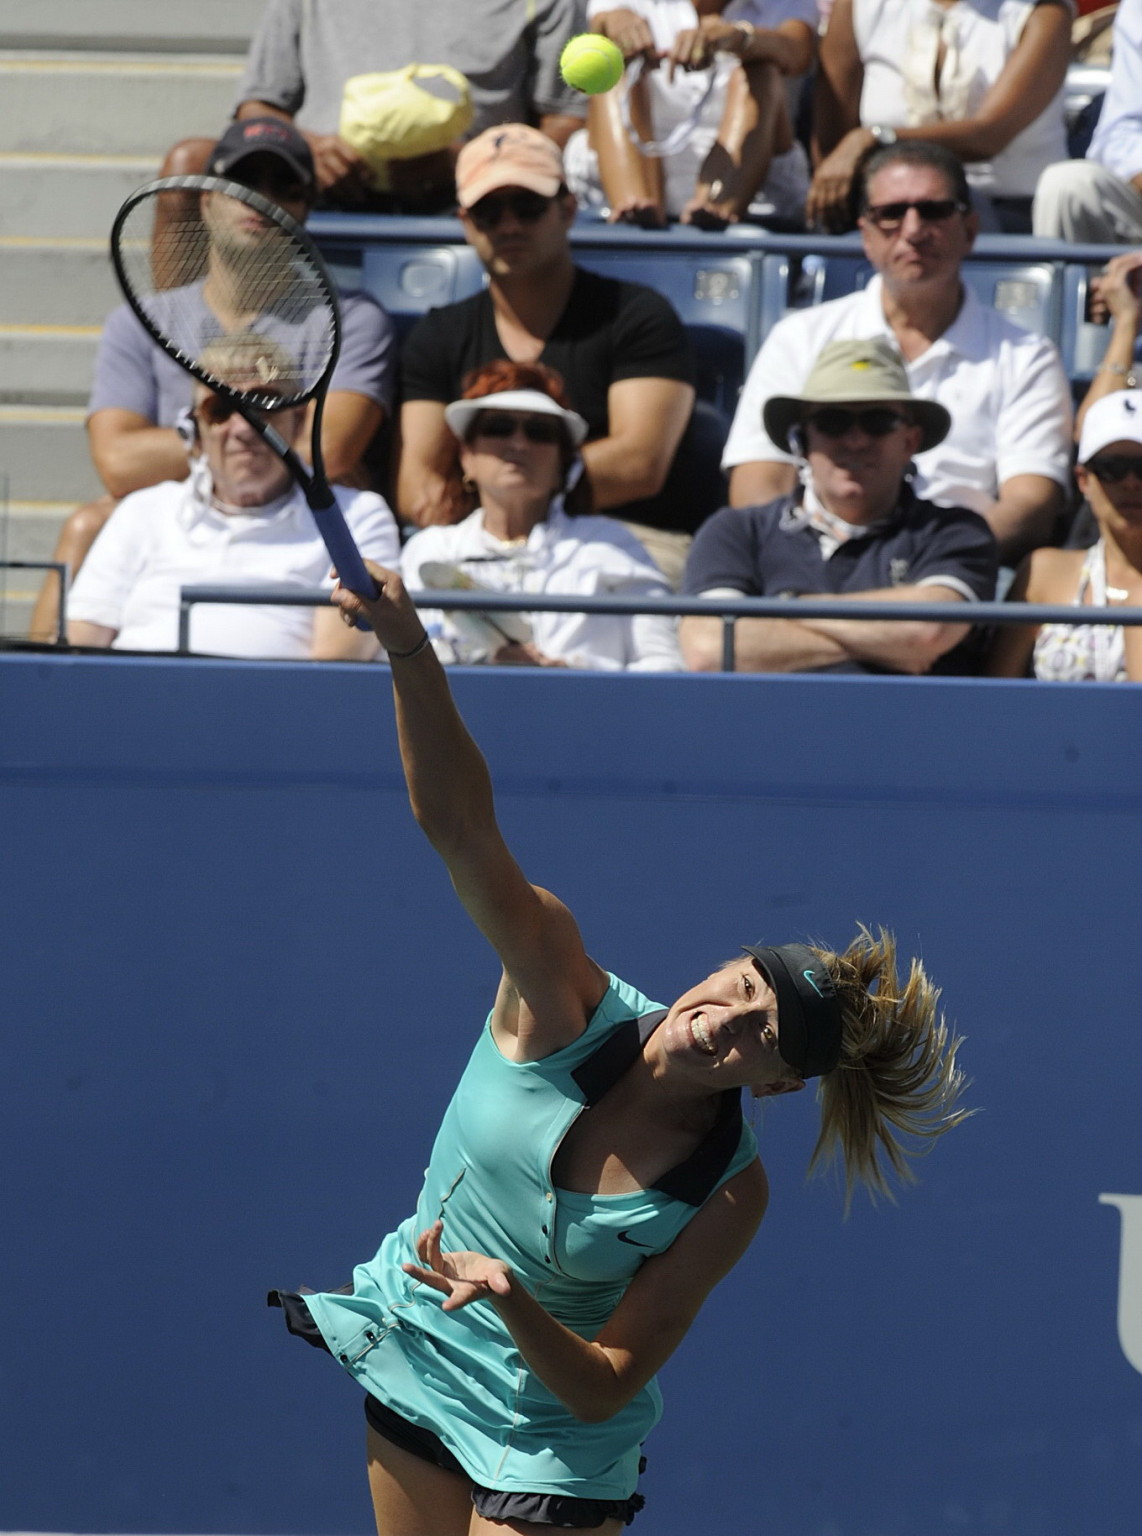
<point x="264" y="292"/>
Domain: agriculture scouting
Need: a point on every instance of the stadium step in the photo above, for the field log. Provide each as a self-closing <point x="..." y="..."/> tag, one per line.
<point x="43" y="454"/>
<point x="55" y="282"/>
<point x="207" y="26"/>
<point x="69" y="195"/>
<point x="92" y="94"/>
<point x="112" y="104"/>
<point x="47" y="364"/>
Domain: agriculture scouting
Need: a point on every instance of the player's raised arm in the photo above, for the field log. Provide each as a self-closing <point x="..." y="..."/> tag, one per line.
<point x="551" y="985"/>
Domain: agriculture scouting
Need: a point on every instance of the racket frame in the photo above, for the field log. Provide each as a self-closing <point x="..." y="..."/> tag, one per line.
<point x="251" y="402"/>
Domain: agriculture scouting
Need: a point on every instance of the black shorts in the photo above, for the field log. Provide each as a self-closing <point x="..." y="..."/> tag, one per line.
<point x="493" y="1504"/>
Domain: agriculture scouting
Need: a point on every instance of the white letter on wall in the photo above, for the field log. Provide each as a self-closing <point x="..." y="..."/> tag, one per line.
<point x="1129" y="1276"/>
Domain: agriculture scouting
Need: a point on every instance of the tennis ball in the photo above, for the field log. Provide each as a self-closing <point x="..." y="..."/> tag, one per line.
<point x="591" y="63"/>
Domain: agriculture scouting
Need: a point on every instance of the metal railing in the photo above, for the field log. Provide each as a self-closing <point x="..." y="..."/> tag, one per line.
<point x="728" y="610"/>
<point x="62" y="570"/>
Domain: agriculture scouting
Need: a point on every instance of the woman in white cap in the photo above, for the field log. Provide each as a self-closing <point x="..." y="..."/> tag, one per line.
<point x="593" y="1177"/>
<point x="1109" y="574"/>
<point x="517" y="475"/>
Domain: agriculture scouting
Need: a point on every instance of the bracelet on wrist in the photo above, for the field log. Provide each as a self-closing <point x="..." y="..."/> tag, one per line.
<point x="1127" y="375"/>
<point x="748" y="32"/>
<point x="420" y="645"/>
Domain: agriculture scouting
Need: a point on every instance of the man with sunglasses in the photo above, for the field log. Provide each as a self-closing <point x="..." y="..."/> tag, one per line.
<point x="1007" y="453"/>
<point x="140" y="395"/>
<point x="237" y="518"/>
<point x="854" y="529"/>
<point x="620" y="348"/>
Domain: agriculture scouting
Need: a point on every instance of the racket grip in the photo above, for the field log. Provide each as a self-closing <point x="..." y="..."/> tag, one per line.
<point x="343" y="552"/>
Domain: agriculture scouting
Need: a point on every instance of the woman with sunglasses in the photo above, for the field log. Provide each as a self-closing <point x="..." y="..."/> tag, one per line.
<point x="593" y="1177"/>
<point x="1107" y="575"/>
<point x="517" y="484"/>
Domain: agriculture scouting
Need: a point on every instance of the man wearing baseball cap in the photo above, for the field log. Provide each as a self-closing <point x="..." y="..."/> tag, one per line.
<point x="620" y="349"/>
<point x="140" y="395"/>
<point x="853" y="528"/>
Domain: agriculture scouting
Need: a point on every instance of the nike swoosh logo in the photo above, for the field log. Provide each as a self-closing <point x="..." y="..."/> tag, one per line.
<point x="808" y="975"/>
<point x="633" y="1241"/>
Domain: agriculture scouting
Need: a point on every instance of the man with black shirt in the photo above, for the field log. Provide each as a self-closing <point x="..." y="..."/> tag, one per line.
<point x="620" y="348"/>
<point x="852" y="529"/>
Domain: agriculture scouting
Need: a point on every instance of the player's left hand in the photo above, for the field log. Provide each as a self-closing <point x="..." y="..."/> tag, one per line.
<point x="460" y="1276"/>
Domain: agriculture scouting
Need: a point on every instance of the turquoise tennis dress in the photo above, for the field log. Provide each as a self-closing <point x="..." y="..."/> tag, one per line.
<point x="459" y="1374"/>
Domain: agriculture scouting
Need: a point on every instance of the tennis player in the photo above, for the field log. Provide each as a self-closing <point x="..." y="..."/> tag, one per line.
<point x="593" y="1177"/>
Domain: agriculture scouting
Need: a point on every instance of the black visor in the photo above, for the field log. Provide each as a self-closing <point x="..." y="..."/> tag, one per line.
<point x="808" y="1010"/>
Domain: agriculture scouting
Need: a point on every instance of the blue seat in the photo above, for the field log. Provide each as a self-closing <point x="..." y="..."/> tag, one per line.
<point x="708" y="285"/>
<point x="409" y="265"/>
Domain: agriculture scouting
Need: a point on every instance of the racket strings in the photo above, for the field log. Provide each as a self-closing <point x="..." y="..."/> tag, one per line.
<point x="259" y="316"/>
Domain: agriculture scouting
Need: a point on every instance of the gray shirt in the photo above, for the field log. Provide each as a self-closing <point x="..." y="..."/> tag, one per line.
<point x="133" y="373"/>
<point x="305" y="50"/>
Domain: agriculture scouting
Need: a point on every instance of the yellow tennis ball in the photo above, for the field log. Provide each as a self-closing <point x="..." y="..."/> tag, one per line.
<point x="591" y="63"/>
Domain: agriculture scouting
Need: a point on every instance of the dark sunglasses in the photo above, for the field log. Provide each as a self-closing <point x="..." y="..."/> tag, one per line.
<point x="1114" y="467"/>
<point x="537" y="429"/>
<point x="932" y="210"/>
<point x="215" y="411"/>
<point x="527" y="207"/>
<point x="876" y="421"/>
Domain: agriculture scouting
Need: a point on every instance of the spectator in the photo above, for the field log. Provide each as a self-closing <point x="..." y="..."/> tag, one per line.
<point x="305" y="51"/>
<point x="1115" y="297"/>
<point x="237" y="518"/>
<point x="1007" y="455"/>
<point x="854" y="529"/>
<point x="732" y="136"/>
<point x="619" y="347"/>
<point x="519" y="455"/>
<point x="1109" y="474"/>
<point x="983" y="78"/>
<point x="1100" y="198"/>
<point x="140" y="393"/>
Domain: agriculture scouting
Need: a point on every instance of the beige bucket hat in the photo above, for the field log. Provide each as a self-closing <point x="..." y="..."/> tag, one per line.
<point x="851" y="373"/>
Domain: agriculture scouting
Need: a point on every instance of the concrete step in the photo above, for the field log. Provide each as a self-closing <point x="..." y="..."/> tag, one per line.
<point x="43" y="454"/>
<point x="68" y="195"/>
<point x="207" y="26"/>
<point x="118" y="104"/>
<point x="47" y="364"/>
<point x="55" y="282"/>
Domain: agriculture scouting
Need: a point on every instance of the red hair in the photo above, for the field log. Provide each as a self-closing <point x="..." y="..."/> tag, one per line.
<point x="493" y="379"/>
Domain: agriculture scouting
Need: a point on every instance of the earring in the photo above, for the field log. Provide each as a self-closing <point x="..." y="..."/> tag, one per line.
<point x="467" y="485"/>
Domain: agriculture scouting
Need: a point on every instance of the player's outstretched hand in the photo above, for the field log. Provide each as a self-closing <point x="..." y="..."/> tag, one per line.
<point x="461" y="1276"/>
<point x="391" y="614"/>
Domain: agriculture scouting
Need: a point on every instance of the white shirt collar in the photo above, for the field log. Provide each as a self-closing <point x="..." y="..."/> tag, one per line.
<point x="966" y="334"/>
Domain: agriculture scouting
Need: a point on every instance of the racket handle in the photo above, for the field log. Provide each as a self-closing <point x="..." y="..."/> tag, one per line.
<point x="343" y="551"/>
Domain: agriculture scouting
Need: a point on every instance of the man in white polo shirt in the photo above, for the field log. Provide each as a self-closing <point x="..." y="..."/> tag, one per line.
<point x="238" y="519"/>
<point x="1007" y="455"/>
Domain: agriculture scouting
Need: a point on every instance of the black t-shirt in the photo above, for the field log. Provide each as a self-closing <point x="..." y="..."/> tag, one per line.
<point x="772" y="551"/>
<point x="609" y="331"/>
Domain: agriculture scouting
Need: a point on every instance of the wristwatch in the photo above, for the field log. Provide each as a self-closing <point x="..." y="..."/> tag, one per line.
<point x="883" y="135"/>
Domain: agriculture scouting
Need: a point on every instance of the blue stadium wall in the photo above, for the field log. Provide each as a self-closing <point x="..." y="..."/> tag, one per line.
<point x="237" y="990"/>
